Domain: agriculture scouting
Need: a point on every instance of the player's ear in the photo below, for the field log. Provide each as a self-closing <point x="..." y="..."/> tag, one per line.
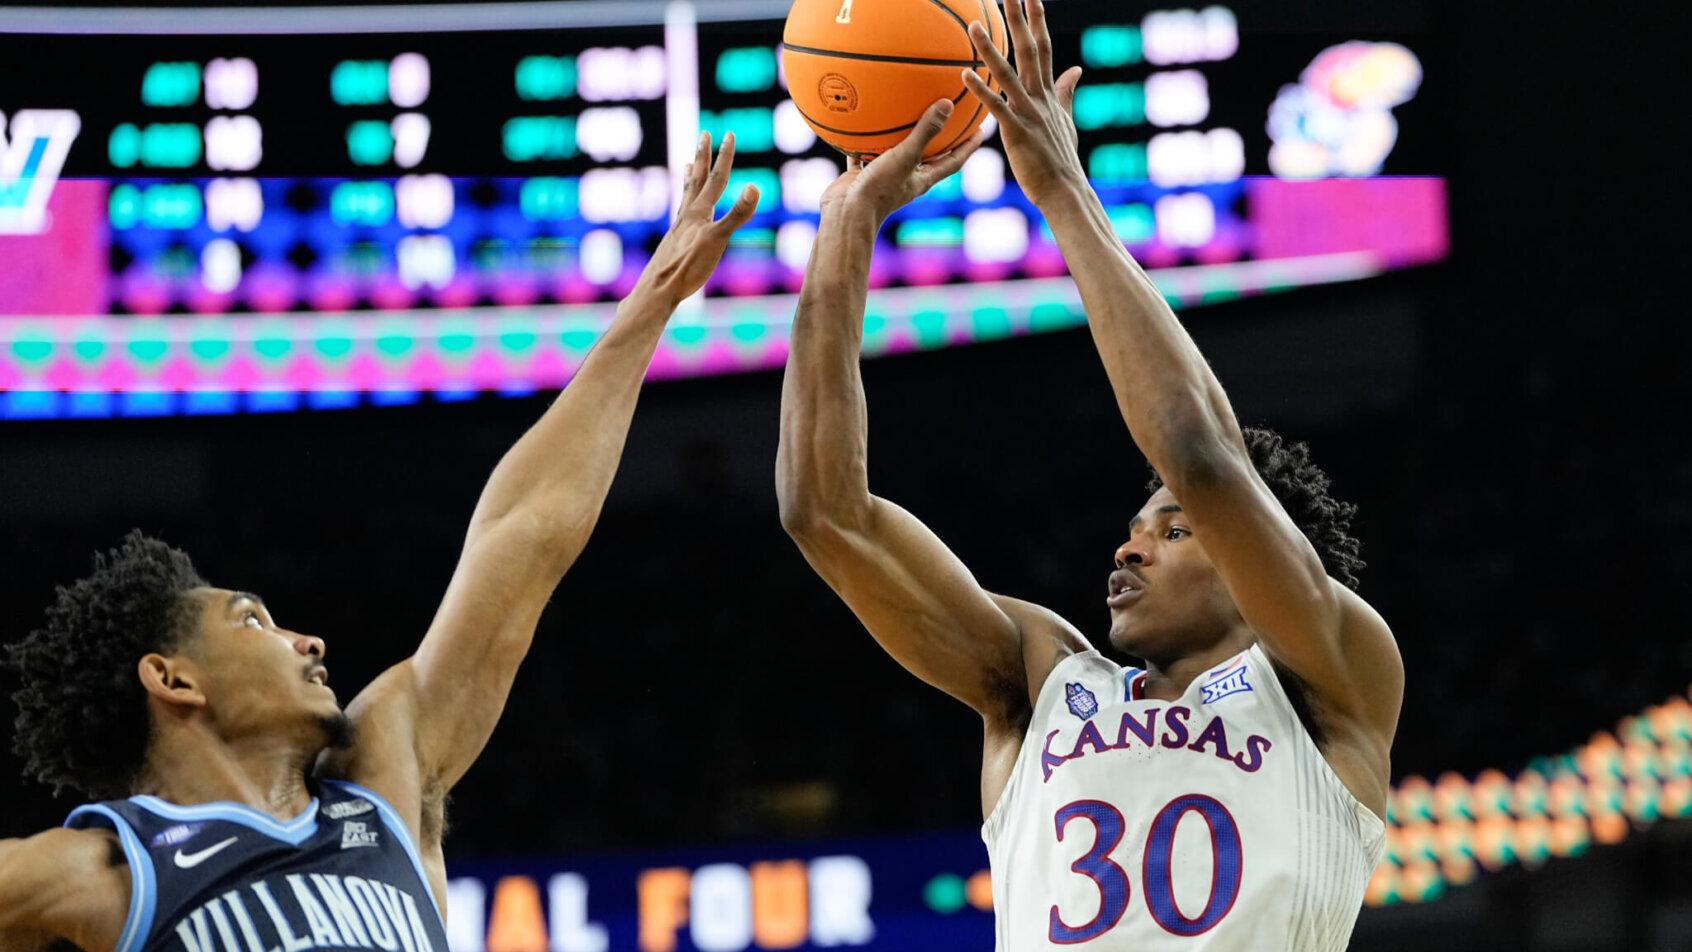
<point x="175" y="681"/>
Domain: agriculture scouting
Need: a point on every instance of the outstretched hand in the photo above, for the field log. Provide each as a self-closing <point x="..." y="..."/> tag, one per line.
<point x="899" y="176"/>
<point x="1035" y="117"/>
<point x="695" y="245"/>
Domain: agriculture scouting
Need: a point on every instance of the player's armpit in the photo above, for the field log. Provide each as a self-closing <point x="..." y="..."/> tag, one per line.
<point x="69" y="885"/>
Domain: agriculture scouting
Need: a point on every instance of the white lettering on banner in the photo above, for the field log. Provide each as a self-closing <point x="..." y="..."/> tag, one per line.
<point x="840" y="898"/>
<point x="720" y="910"/>
<point x="567" y="896"/>
<point x="467" y="915"/>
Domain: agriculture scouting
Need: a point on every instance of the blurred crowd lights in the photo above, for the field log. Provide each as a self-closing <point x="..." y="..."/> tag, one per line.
<point x="1447" y="831"/>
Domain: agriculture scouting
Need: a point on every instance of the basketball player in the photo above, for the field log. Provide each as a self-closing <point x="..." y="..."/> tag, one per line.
<point x="1228" y="794"/>
<point x="259" y="816"/>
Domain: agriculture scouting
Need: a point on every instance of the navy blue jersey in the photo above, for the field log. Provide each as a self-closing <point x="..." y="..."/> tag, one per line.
<point x="223" y="877"/>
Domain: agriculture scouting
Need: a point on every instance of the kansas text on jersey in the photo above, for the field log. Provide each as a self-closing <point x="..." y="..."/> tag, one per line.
<point x="1208" y="822"/>
<point x="222" y="877"/>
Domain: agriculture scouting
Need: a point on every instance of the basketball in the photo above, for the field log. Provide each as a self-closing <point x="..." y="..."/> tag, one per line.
<point x="862" y="72"/>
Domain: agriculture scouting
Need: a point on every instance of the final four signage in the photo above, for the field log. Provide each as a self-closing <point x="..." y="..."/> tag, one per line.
<point x="32" y="151"/>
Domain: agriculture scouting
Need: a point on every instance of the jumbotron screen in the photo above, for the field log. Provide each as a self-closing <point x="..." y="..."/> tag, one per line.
<point x="204" y="211"/>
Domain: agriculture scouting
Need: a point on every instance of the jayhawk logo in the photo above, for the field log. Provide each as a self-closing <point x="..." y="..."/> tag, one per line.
<point x="1081" y="701"/>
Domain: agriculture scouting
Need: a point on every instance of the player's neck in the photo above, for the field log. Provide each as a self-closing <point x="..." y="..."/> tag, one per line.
<point x="1169" y="678"/>
<point x="189" y="765"/>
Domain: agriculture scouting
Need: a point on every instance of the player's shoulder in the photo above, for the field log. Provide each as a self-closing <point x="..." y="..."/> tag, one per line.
<point x="1047" y="639"/>
<point x="44" y="872"/>
<point x="60" y="850"/>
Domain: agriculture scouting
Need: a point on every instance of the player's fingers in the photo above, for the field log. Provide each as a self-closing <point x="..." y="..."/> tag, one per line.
<point x="701" y="165"/>
<point x="1022" y="40"/>
<point x="945" y="166"/>
<point x="908" y="153"/>
<point x="1042" y="39"/>
<point x="854" y="164"/>
<point x="740" y="213"/>
<point x="1066" y="86"/>
<point x="719" y="179"/>
<point x="995" y="103"/>
<point x="996" y="63"/>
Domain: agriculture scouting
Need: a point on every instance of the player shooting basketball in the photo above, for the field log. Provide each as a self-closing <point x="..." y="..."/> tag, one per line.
<point x="258" y="814"/>
<point x="1229" y="794"/>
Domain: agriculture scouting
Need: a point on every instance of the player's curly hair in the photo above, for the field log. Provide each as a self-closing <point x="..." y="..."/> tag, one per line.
<point x="1302" y="488"/>
<point x="82" y="715"/>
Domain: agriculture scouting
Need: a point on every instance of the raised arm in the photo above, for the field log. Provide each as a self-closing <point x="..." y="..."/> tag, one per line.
<point x="423" y="722"/>
<point x="909" y="590"/>
<point x="69" y="885"/>
<point x="1176" y="410"/>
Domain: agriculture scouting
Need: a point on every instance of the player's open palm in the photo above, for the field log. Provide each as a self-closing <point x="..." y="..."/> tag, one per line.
<point x="899" y="176"/>
<point x="1034" y="116"/>
<point x="697" y="240"/>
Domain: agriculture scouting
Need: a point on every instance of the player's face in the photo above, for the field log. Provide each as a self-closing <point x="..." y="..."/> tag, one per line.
<point x="259" y="678"/>
<point x="1166" y="599"/>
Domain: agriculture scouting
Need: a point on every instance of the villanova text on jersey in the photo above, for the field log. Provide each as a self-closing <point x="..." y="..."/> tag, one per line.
<point x="221" y="877"/>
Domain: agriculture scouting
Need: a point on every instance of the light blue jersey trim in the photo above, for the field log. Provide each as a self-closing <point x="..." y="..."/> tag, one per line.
<point x="293" y="833"/>
<point x="143" y="882"/>
<point x="392" y="819"/>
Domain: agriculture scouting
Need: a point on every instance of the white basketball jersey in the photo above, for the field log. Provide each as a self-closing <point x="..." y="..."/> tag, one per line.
<point x="1207" y="823"/>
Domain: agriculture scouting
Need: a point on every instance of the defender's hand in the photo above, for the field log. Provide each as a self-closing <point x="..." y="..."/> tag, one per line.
<point x="898" y="176"/>
<point x="691" y="251"/>
<point x="1035" y="114"/>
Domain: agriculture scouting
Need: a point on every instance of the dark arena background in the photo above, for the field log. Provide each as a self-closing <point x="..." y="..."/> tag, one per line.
<point x="282" y="284"/>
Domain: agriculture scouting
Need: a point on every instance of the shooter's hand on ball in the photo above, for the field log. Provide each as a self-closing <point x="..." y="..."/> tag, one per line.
<point x="695" y="245"/>
<point x="897" y="177"/>
<point x="1034" y="115"/>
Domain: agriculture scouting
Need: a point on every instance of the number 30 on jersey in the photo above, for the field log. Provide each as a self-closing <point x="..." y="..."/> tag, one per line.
<point x="1112" y="881"/>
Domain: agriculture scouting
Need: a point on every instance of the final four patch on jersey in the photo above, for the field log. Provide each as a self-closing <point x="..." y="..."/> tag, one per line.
<point x="176" y="835"/>
<point x="1231" y="681"/>
<point x="1082" y="703"/>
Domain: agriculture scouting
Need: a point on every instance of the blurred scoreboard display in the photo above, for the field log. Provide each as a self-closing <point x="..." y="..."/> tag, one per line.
<point x="222" y="209"/>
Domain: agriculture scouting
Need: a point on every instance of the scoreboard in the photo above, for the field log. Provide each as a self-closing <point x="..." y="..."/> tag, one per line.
<point x="221" y="209"/>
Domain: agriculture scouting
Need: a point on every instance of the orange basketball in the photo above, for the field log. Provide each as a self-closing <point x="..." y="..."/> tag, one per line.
<point x="862" y="71"/>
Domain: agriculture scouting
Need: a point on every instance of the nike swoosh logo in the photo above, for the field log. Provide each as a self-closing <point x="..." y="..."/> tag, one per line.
<point x="191" y="860"/>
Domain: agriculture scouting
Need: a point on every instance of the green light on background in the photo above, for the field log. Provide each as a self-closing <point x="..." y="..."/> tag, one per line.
<point x="370" y="142"/>
<point x="545" y="78"/>
<point x="769" y="188"/>
<point x="948" y="189"/>
<point x="171" y="84"/>
<point x="540" y="138"/>
<point x="1110" y="105"/>
<point x="1111" y="46"/>
<point x="1133" y="223"/>
<point x="549" y="198"/>
<point x="161" y="145"/>
<point x="1118" y="162"/>
<point x="944" y="893"/>
<point x="124" y="207"/>
<point x="157" y="206"/>
<point x="753" y="238"/>
<point x="359" y="82"/>
<point x="370" y="204"/>
<point x="123" y="147"/>
<point x="931" y="232"/>
<point x="749" y="69"/>
<point x="754" y="129"/>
